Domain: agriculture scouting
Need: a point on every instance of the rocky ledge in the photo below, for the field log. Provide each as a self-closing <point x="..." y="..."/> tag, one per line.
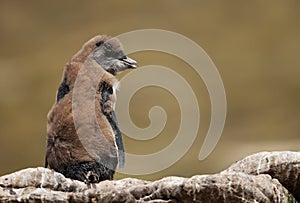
<point x="262" y="177"/>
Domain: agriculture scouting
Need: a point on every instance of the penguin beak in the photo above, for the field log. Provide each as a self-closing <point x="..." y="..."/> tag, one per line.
<point x="129" y="62"/>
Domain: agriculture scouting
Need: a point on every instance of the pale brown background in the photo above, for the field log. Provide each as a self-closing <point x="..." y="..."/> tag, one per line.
<point x="254" y="44"/>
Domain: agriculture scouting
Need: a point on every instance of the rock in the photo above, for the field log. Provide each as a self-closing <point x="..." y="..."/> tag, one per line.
<point x="263" y="177"/>
<point x="284" y="166"/>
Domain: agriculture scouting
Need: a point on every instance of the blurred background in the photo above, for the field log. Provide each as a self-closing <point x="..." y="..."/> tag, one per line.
<point x="255" y="46"/>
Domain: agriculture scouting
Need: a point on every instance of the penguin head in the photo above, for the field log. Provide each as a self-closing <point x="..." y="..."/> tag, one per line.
<point x="111" y="57"/>
<point x="108" y="53"/>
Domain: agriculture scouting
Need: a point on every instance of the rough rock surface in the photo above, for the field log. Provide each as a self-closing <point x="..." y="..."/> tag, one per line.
<point x="271" y="177"/>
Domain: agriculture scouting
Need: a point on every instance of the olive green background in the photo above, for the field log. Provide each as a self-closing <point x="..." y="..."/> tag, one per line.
<point x="254" y="44"/>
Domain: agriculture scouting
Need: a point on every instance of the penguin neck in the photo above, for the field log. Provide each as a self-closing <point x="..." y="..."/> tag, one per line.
<point x="91" y="71"/>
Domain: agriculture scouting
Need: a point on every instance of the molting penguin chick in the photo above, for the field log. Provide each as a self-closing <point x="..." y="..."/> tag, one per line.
<point x="94" y="156"/>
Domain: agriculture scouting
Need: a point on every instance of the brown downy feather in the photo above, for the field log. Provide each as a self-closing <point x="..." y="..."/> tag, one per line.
<point x="65" y="151"/>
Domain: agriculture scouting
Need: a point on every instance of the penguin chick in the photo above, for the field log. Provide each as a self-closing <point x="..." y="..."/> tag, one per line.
<point x="91" y="158"/>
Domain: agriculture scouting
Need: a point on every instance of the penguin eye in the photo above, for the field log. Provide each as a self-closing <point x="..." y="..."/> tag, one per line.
<point x="98" y="44"/>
